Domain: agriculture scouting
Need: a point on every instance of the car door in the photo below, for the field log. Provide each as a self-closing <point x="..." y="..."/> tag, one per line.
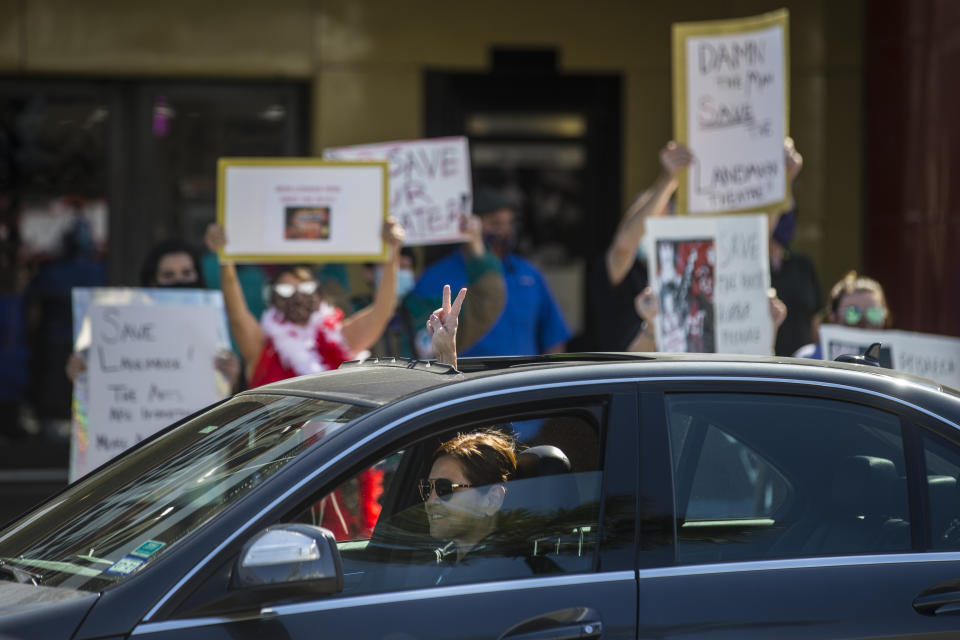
<point x="803" y="512"/>
<point x="570" y="570"/>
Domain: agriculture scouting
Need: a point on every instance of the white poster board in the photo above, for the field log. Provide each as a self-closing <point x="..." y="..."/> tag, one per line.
<point x="922" y="354"/>
<point x="149" y="357"/>
<point x="711" y="277"/>
<point x="429" y="184"/>
<point x="731" y="107"/>
<point x="302" y="209"/>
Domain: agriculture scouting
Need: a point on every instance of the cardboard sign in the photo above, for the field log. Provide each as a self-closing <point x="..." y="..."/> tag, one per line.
<point x="922" y="354"/>
<point x="731" y="100"/>
<point x="149" y="357"/>
<point x="711" y="277"/>
<point x="429" y="184"/>
<point x="302" y="209"/>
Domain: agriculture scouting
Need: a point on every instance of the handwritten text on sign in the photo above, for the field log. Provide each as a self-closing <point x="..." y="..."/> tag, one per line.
<point x="735" y="120"/>
<point x="711" y="276"/>
<point x="148" y="366"/>
<point x="429" y="184"/>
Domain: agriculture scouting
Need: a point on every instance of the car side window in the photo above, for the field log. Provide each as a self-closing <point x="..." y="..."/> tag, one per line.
<point x="771" y="476"/>
<point x="544" y="519"/>
<point x="943" y="470"/>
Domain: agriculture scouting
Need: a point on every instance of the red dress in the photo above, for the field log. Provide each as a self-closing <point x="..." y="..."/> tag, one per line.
<point x="293" y="350"/>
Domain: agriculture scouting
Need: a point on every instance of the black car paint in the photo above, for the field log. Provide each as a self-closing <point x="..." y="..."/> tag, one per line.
<point x="122" y="607"/>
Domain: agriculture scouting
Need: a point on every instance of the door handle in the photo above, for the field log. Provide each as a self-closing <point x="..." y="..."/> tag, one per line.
<point x="936" y="604"/>
<point x="569" y="632"/>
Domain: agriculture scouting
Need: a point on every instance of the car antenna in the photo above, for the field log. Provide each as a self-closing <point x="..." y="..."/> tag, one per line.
<point x="869" y="357"/>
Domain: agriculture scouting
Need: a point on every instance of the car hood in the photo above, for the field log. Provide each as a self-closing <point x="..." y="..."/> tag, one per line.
<point x="28" y="611"/>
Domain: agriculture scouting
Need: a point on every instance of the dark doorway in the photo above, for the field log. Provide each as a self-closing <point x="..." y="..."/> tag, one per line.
<point x="553" y="142"/>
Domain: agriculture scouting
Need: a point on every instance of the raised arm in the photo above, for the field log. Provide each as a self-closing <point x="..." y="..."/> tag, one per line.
<point x="363" y="328"/>
<point x="442" y="325"/>
<point x="244" y="326"/>
<point x="623" y="249"/>
<point x="488" y="289"/>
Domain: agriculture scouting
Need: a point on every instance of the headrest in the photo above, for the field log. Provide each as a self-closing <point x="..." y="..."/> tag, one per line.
<point x="860" y="479"/>
<point x="542" y="460"/>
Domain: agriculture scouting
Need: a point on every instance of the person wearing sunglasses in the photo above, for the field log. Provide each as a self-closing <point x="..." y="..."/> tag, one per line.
<point x="462" y="496"/>
<point x="300" y="332"/>
<point x="855" y="301"/>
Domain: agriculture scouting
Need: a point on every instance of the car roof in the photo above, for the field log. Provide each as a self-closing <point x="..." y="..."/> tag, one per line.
<point x="375" y="382"/>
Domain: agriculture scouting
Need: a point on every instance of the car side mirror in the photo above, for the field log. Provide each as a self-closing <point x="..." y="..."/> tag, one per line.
<point x="294" y="558"/>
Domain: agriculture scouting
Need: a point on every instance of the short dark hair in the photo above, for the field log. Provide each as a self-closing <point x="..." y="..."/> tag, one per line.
<point x="488" y="457"/>
<point x="487" y="200"/>
<point x="148" y="269"/>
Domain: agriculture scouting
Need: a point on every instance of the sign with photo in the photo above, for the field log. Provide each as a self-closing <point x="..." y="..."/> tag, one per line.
<point x="149" y="356"/>
<point x="731" y="108"/>
<point x="922" y="354"/>
<point x="711" y="277"/>
<point x="302" y="209"/>
<point x="429" y="184"/>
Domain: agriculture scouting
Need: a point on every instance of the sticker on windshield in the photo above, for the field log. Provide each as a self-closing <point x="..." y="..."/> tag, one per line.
<point x="147" y="549"/>
<point x="125" y="566"/>
<point x="209" y="429"/>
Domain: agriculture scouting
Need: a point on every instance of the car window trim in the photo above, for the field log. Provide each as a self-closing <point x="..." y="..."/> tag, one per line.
<point x="342" y="398"/>
<point x="923" y="557"/>
<point x="391" y="597"/>
<point x="497" y="393"/>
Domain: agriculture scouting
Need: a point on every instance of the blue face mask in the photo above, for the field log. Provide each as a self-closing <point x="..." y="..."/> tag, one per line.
<point x="405" y="281"/>
<point x="785" y="228"/>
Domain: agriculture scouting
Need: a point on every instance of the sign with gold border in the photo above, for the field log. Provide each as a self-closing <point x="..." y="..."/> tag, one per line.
<point x="302" y="209"/>
<point x="731" y="100"/>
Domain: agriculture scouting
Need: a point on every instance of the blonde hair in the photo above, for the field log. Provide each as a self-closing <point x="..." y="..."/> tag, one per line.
<point x="854" y="283"/>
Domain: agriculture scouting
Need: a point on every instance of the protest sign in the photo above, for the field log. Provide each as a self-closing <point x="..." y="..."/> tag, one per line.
<point x="302" y="209"/>
<point x="149" y="357"/>
<point x="711" y="277"/>
<point x="922" y="354"/>
<point x="731" y="107"/>
<point x="429" y="184"/>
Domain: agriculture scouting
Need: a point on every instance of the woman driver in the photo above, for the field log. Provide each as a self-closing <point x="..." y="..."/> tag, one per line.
<point x="465" y="490"/>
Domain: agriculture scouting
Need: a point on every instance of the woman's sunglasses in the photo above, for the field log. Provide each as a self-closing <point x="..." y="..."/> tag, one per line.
<point x="285" y="289"/>
<point x="853" y="315"/>
<point x="442" y="486"/>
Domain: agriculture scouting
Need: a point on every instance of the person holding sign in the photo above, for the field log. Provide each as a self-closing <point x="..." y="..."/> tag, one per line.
<point x="616" y="286"/>
<point x="855" y="301"/>
<point x="484" y="278"/>
<point x="300" y="332"/>
<point x="531" y="322"/>
<point x="793" y="274"/>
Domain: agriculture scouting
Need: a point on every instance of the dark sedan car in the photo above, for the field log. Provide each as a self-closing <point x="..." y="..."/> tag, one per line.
<point x="656" y="497"/>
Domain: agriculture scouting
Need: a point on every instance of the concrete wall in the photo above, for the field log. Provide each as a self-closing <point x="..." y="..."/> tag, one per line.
<point x="365" y="60"/>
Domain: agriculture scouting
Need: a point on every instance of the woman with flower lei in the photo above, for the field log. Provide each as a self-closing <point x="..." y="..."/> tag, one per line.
<point x="300" y="333"/>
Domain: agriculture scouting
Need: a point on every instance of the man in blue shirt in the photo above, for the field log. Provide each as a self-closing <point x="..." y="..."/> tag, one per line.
<point x="531" y="322"/>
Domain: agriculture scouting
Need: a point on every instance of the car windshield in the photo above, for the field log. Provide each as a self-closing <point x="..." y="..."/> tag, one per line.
<point x="110" y="524"/>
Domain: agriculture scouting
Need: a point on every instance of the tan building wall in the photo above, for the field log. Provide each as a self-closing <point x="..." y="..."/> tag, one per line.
<point x="365" y="60"/>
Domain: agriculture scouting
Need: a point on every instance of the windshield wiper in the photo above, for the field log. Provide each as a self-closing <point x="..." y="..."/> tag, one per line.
<point x="18" y="574"/>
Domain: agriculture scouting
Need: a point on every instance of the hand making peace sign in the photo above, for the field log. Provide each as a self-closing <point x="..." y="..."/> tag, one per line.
<point x="442" y="325"/>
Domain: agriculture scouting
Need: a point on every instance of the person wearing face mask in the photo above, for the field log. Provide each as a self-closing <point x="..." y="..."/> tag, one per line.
<point x="170" y="264"/>
<point x="300" y="332"/>
<point x="530" y="322"/>
<point x="49" y="325"/>
<point x="482" y="272"/>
